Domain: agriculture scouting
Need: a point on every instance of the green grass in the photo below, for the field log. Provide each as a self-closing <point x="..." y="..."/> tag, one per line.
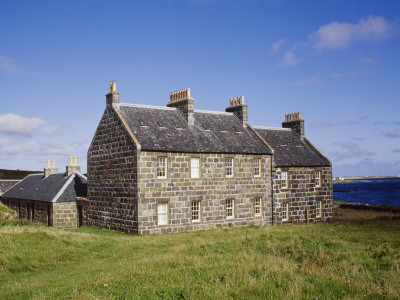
<point x="337" y="260"/>
<point x="6" y="209"/>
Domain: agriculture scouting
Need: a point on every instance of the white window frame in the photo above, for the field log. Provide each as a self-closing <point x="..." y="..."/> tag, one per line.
<point x="196" y="211"/>
<point x="162" y="213"/>
<point x="318" y="207"/>
<point x="162" y="167"/>
<point x="257" y="167"/>
<point x="318" y="179"/>
<point x="229" y="167"/>
<point x="230" y="208"/>
<point x="194" y="167"/>
<point x="285" y="179"/>
<point x="257" y="206"/>
<point x="285" y="211"/>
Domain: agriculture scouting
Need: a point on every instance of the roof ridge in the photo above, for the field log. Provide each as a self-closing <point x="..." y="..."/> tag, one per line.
<point x="272" y="128"/>
<point x="63" y="188"/>
<point x="213" y="112"/>
<point x="145" y="106"/>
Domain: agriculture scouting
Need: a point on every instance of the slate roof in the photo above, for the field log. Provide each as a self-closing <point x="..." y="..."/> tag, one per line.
<point x="165" y="129"/>
<point x="290" y="149"/>
<point x="54" y="188"/>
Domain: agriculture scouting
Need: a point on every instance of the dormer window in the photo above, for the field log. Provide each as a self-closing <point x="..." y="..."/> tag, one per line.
<point x="142" y="123"/>
<point x="161" y="124"/>
<point x="236" y="129"/>
<point x="178" y="126"/>
<point x="222" y="128"/>
<point x="205" y="126"/>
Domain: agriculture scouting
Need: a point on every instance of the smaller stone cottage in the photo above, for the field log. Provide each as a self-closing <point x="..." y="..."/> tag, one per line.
<point x="50" y="197"/>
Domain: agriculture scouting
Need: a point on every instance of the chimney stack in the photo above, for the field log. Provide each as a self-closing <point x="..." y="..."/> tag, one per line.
<point x="294" y="122"/>
<point x="182" y="101"/>
<point x="239" y="108"/>
<point x="73" y="166"/>
<point x="50" y="169"/>
<point x="113" y="95"/>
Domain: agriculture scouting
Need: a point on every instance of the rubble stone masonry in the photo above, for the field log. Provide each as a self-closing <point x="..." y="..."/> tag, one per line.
<point x="211" y="189"/>
<point x="57" y="214"/>
<point x="302" y="194"/>
<point x="64" y="214"/>
<point x="112" y="177"/>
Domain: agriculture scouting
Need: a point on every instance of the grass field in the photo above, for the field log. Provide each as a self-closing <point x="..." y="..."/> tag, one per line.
<point x="339" y="260"/>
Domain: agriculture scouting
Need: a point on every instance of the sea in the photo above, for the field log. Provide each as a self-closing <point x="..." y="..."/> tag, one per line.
<point x="372" y="191"/>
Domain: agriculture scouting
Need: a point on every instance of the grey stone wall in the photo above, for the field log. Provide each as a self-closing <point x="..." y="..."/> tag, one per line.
<point x="302" y="194"/>
<point x="37" y="211"/>
<point x="212" y="189"/>
<point x="64" y="214"/>
<point x="112" y="178"/>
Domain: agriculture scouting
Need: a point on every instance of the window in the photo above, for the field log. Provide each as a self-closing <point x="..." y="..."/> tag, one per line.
<point x="229" y="167"/>
<point x="285" y="212"/>
<point x="222" y="128"/>
<point x="161" y="124"/>
<point x="178" y="126"/>
<point x="205" y="126"/>
<point x="236" y="129"/>
<point x="161" y="167"/>
<point x="257" y="167"/>
<point x="257" y="206"/>
<point x="285" y="179"/>
<point x="162" y="211"/>
<point x="142" y="123"/>
<point x="194" y="167"/>
<point x="319" y="209"/>
<point x="230" y="208"/>
<point x="195" y="211"/>
<point x="317" y="178"/>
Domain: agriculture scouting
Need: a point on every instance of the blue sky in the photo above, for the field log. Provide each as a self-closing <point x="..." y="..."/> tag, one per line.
<point x="337" y="62"/>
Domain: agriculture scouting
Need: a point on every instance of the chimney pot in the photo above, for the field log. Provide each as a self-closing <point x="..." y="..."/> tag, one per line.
<point x="238" y="107"/>
<point x="113" y="95"/>
<point x="182" y="101"/>
<point x="294" y="122"/>
<point x="50" y="169"/>
<point x="72" y="167"/>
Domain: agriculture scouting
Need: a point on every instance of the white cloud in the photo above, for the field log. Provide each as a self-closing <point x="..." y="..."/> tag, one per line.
<point x="340" y="35"/>
<point x="289" y="59"/>
<point x="367" y="60"/>
<point x="352" y="74"/>
<point x="395" y="133"/>
<point x="277" y="45"/>
<point x="350" y="150"/>
<point x="311" y="80"/>
<point x="367" y="167"/>
<point x="10" y="65"/>
<point x="51" y="130"/>
<point x="319" y="124"/>
<point x="15" y="124"/>
<point x="46" y="149"/>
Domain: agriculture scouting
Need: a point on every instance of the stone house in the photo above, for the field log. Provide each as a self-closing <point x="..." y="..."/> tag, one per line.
<point x="50" y="197"/>
<point x="167" y="169"/>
